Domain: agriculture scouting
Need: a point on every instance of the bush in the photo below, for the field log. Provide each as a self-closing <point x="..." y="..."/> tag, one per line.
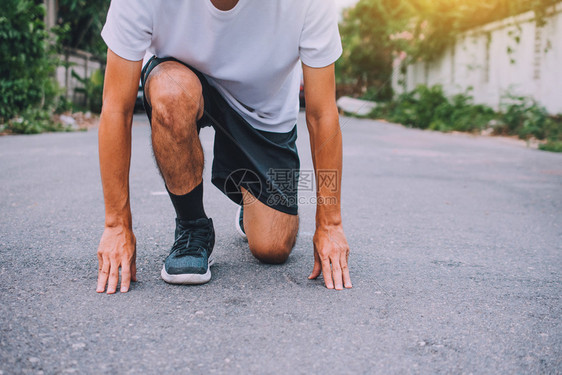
<point x="26" y="70"/>
<point x="418" y="108"/>
<point x="429" y="108"/>
<point x="461" y="114"/>
<point x="32" y="121"/>
<point x="553" y="146"/>
<point x="525" y="118"/>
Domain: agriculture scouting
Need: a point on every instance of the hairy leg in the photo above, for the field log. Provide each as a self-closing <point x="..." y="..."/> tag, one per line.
<point x="271" y="233"/>
<point x="175" y="95"/>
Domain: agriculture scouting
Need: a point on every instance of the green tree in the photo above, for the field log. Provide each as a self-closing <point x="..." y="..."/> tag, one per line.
<point x="368" y="48"/>
<point x="26" y="66"/>
<point x="376" y="31"/>
<point x="437" y="23"/>
<point x="83" y="21"/>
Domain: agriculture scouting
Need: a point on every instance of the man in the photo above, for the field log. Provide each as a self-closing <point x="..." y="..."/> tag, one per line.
<point x="232" y="65"/>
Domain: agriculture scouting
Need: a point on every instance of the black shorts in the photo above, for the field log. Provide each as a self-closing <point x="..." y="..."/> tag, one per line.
<point x="264" y="163"/>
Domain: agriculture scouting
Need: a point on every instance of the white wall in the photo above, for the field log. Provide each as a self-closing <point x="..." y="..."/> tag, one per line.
<point x="480" y="59"/>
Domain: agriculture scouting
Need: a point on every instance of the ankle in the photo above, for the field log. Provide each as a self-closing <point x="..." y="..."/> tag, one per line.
<point x="189" y="206"/>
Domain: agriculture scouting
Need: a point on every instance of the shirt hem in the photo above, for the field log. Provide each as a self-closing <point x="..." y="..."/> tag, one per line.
<point x="322" y="63"/>
<point x="119" y="49"/>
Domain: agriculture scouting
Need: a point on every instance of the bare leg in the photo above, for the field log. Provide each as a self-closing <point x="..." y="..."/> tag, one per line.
<point x="175" y="95"/>
<point x="271" y="233"/>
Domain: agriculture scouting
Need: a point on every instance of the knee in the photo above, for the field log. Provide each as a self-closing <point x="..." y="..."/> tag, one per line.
<point x="176" y="103"/>
<point x="271" y="251"/>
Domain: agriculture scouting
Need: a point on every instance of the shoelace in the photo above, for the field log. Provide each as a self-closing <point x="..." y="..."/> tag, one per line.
<point x="191" y="240"/>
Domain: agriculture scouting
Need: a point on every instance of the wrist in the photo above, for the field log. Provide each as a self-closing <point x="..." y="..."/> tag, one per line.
<point x="328" y="218"/>
<point x="119" y="220"/>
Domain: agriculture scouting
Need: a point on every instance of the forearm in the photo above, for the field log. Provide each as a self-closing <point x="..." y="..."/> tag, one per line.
<point x="115" y="158"/>
<point x="326" y="147"/>
<point x="331" y="250"/>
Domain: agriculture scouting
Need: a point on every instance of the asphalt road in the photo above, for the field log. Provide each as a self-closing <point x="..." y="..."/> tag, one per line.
<point x="456" y="264"/>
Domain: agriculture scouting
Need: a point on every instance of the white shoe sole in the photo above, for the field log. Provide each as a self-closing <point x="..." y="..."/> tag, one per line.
<point x="188" y="278"/>
<point x="237" y="224"/>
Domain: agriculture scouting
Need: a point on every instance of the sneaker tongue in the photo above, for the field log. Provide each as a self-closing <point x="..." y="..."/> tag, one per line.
<point x="197" y="242"/>
<point x="198" y="234"/>
<point x="182" y="225"/>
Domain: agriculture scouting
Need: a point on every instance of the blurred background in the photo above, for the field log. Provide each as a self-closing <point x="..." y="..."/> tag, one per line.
<point x="488" y="67"/>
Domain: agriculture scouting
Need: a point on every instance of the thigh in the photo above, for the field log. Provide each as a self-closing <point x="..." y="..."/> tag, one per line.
<point x="264" y="163"/>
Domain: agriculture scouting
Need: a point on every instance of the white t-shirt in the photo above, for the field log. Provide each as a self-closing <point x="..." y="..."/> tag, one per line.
<point x="249" y="53"/>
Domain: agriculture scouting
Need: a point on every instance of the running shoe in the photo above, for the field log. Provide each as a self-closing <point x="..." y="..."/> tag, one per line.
<point x="191" y="255"/>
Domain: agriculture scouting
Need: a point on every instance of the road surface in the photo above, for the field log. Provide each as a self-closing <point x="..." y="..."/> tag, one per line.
<point x="456" y="264"/>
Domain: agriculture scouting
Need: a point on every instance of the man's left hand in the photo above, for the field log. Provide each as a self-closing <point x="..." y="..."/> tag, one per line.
<point x="331" y="253"/>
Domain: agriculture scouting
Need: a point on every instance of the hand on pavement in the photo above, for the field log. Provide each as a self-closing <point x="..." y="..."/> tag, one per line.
<point x="331" y="253"/>
<point x="117" y="249"/>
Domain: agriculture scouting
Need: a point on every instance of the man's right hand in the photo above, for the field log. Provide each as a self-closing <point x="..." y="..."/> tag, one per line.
<point x="117" y="249"/>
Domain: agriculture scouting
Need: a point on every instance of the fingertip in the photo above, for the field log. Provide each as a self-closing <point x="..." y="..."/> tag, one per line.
<point x="124" y="287"/>
<point x="312" y="276"/>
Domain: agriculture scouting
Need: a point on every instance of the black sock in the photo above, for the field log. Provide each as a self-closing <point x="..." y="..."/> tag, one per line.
<point x="189" y="206"/>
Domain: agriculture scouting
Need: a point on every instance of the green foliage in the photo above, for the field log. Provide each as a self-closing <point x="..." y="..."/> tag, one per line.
<point x="366" y="62"/>
<point x="461" y="114"/>
<point x="63" y="105"/>
<point x="429" y="108"/>
<point x="525" y="118"/>
<point x="32" y="121"/>
<point x="92" y="90"/>
<point x="26" y="64"/>
<point x="28" y="92"/>
<point x="553" y="146"/>
<point x="81" y="24"/>
<point x="374" y="32"/>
